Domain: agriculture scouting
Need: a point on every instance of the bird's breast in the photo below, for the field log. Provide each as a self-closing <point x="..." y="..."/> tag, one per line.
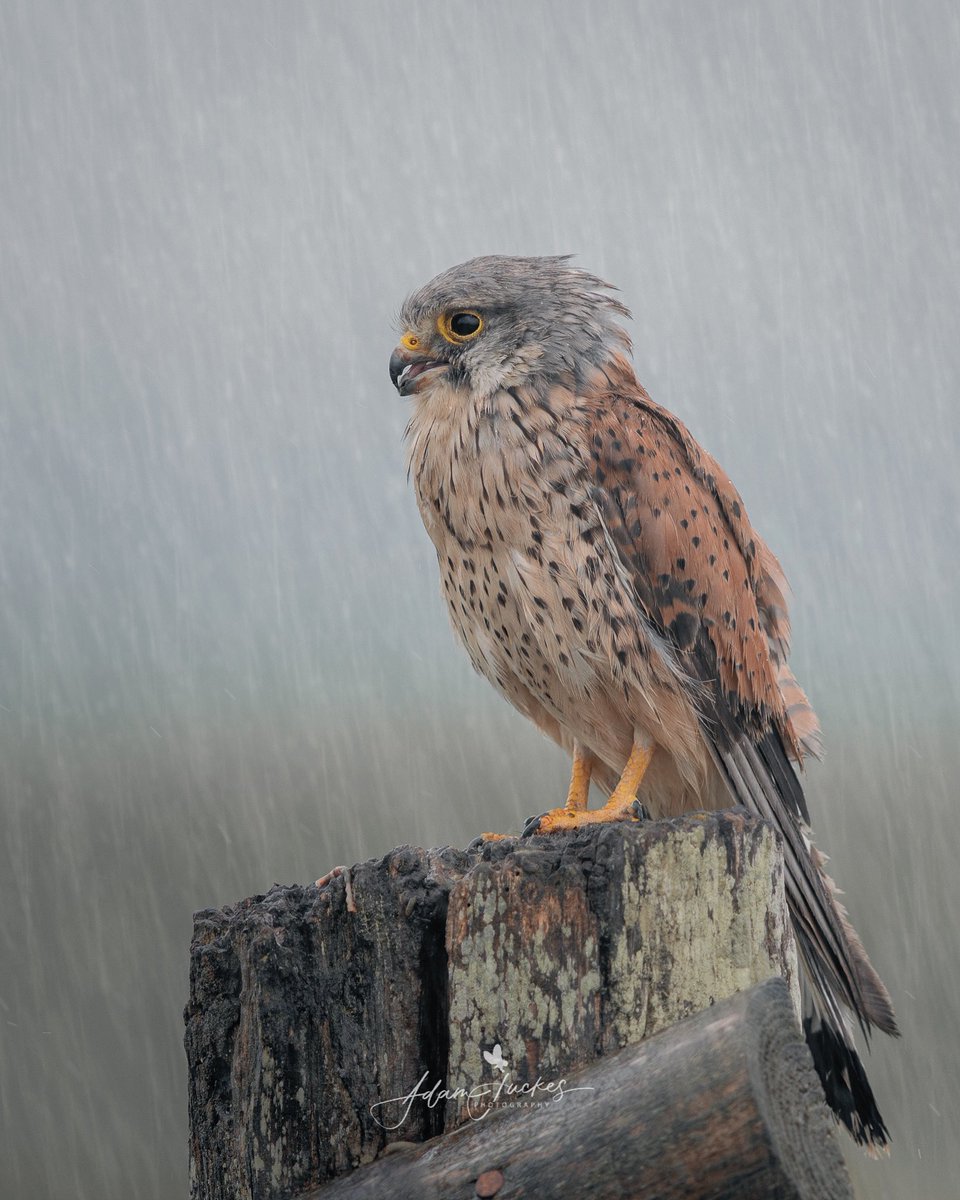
<point x="481" y="473"/>
<point x="498" y="497"/>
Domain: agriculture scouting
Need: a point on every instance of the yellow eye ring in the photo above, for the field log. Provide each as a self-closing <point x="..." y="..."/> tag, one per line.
<point x="459" y="327"/>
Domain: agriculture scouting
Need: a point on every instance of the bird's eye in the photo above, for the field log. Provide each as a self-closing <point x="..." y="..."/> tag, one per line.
<point x="465" y="324"/>
<point x="460" y="326"/>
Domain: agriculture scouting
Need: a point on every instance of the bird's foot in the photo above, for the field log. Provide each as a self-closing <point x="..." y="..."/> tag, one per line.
<point x="559" y="819"/>
<point x="334" y="873"/>
<point x="483" y="838"/>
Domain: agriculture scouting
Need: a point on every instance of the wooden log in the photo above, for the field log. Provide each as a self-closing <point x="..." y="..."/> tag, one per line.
<point x="311" y="1011"/>
<point x="725" y="1104"/>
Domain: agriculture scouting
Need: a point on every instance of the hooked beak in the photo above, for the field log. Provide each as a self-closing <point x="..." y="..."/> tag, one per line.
<point x="408" y="368"/>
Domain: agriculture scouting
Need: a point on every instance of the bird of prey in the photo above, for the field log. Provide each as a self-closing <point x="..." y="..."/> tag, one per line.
<point x="601" y="571"/>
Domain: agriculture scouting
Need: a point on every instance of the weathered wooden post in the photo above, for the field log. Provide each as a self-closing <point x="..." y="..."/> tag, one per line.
<point x="392" y="1006"/>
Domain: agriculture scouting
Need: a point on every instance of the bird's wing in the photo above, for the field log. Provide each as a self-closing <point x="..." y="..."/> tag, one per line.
<point x="701" y="572"/>
<point x="707" y="581"/>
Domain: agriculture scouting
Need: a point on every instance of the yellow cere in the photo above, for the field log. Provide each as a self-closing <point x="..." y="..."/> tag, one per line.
<point x="410" y="341"/>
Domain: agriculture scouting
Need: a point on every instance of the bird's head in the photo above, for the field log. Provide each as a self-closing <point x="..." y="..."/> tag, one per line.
<point x="499" y="322"/>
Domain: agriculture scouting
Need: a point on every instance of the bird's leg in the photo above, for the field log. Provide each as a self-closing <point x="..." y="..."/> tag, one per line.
<point x="622" y="805"/>
<point x="624" y="795"/>
<point x="578" y="793"/>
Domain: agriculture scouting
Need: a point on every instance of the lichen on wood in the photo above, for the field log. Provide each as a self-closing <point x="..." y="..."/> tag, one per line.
<point x="564" y="948"/>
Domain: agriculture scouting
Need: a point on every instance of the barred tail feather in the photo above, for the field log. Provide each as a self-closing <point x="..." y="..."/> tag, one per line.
<point x="845" y="1083"/>
<point x="876" y="999"/>
<point x="838" y="976"/>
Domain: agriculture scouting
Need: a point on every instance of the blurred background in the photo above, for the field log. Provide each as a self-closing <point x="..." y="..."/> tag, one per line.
<point x="225" y="661"/>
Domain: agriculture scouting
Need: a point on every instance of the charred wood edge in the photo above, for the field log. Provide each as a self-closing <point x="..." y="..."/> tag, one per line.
<point x="433" y="1032"/>
<point x="303" y="1011"/>
<point x="724" y="1104"/>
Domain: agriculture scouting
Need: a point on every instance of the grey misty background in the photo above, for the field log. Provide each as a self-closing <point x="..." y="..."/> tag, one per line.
<point x="225" y="658"/>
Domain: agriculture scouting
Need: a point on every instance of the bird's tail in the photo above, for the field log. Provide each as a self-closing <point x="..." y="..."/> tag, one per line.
<point x="837" y="977"/>
<point x="845" y="1084"/>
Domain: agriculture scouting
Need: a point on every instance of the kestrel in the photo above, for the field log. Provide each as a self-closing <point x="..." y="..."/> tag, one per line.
<point x="601" y="571"/>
